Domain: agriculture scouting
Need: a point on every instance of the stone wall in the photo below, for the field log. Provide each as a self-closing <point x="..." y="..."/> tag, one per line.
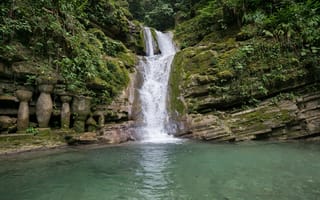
<point x="44" y="103"/>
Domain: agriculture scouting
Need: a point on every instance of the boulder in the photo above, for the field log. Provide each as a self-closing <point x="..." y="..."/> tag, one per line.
<point x="88" y="138"/>
<point x="84" y="138"/>
<point x="109" y="134"/>
<point x="117" y="133"/>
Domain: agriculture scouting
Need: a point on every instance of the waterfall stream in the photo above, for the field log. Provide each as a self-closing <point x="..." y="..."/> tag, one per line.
<point x="153" y="93"/>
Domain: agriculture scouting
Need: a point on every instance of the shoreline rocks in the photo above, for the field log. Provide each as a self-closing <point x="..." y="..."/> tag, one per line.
<point x="284" y="120"/>
<point x="109" y="134"/>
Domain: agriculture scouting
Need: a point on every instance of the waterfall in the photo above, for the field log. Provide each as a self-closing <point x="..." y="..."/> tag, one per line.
<point x="153" y="92"/>
<point x="148" y="41"/>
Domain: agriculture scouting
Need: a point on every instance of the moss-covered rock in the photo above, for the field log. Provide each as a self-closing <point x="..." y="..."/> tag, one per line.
<point x="236" y="73"/>
<point x="281" y="120"/>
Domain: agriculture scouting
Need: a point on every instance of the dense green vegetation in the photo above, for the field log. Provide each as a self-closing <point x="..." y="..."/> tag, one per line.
<point x="237" y="52"/>
<point x="162" y="14"/>
<point x="290" y="22"/>
<point x="81" y="41"/>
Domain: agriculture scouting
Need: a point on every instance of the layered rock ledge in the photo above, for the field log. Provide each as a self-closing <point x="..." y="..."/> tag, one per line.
<point x="283" y="120"/>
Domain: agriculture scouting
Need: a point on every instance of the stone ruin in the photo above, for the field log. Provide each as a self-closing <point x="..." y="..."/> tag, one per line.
<point x="45" y="104"/>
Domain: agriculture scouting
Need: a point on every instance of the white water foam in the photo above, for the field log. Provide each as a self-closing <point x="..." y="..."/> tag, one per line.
<point x="153" y="93"/>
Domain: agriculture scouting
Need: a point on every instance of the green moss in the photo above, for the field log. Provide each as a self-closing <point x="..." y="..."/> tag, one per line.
<point x="154" y="34"/>
<point x="25" y="141"/>
<point x="141" y="42"/>
<point x="266" y="115"/>
<point x="211" y="37"/>
<point x="251" y="70"/>
<point x="128" y="58"/>
<point x="176" y="77"/>
<point x="155" y="40"/>
<point x="196" y="60"/>
<point x="225" y="74"/>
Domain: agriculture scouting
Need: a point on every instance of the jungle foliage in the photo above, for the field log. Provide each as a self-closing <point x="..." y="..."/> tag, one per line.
<point x="291" y="22"/>
<point x="162" y="14"/>
<point x="237" y="52"/>
<point x="71" y="39"/>
<point x="242" y="43"/>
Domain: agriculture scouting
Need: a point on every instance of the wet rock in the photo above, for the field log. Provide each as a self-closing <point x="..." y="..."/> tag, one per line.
<point x="117" y="133"/>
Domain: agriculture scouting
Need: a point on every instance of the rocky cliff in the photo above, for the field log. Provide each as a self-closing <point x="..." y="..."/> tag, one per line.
<point x="282" y="120"/>
<point x="266" y="98"/>
<point x="246" y="79"/>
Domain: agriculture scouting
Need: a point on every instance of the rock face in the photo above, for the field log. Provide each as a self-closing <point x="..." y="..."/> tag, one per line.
<point x="226" y="89"/>
<point x="283" y="120"/>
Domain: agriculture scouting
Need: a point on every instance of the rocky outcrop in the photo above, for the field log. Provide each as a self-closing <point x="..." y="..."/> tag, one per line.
<point x="283" y="120"/>
<point x="205" y="78"/>
<point x="84" y="138"/>
<point x="109" y="134"/>
<point x="232" y="89"/>
<point x="117" y="133"/>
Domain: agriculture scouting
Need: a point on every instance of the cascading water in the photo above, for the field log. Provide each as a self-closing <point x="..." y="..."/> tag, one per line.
<point x="153" y="93"/>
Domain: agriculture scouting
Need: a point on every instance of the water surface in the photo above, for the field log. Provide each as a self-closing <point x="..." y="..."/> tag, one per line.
<point x="185" y="170"/>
